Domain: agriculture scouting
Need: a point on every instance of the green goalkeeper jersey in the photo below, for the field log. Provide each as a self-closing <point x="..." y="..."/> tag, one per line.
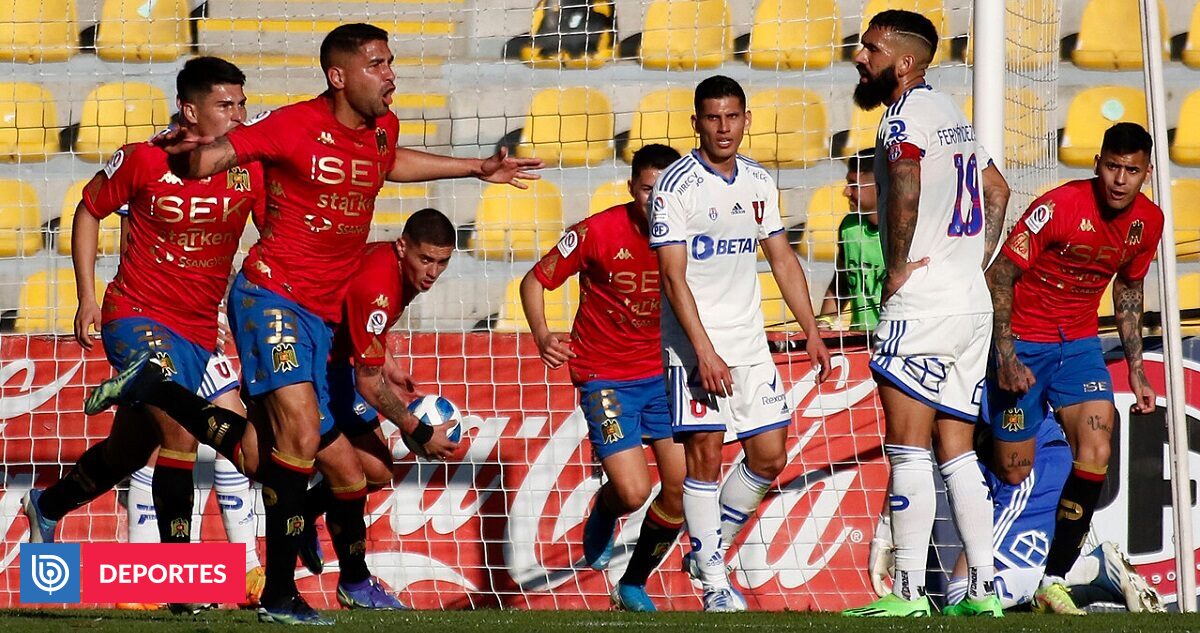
<point x="861" y="259"/>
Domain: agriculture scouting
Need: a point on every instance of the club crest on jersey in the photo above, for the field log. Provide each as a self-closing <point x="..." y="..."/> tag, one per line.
<point x="381" y="140"/>
<point x="164" y="361"/>
<point x="180" y="528"/>
<point x="1134" y="236"/>
<point x="760" y="210"/>
<point x="1039" y="217"/>
<point x="1014" y="420"/>
<point x="713" y="214"/>
<point x="238" y="179"/>
<point x="283" y="358"/>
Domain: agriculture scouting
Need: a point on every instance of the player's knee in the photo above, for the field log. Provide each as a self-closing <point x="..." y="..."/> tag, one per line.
<point x="768" y="466"/>
<point x="1097" y="453"/>
<point x="632" y="496"/>
<point x="379" y="475"/>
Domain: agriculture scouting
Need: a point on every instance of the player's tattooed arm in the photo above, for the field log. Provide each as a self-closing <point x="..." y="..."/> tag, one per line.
<point x="995" y="206"/>
<point x="378" y="393"/>
<point x="1012" y="374"/>
<point x="206" y="156"/>
<point x="1128" y="308"/>
<point x="904" y="197"/>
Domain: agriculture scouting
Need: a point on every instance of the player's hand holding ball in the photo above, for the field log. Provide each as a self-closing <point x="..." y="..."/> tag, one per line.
<point x="438" y="428"/>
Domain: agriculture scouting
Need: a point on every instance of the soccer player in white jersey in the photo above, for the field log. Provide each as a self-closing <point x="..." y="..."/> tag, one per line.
<point x="931" y="346"/>
<point x="710" y="210"/>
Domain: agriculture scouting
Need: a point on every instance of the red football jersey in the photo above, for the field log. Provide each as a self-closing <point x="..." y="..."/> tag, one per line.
<point x="183" y="236"/>
<point x="1069" y="253"/>
<point x="322" y="178"/>
<point x="376" y="296"/>
<point x="616" y="334"/>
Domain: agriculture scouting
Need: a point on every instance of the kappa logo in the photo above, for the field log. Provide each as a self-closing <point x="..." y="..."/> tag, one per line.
<point x="1085" y="225"/>
<point x="623" y="254"/>
<point x="171" y="179"/>
<point x="325" y="138"/>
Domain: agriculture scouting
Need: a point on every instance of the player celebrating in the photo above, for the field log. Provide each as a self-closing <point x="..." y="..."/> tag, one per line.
<point x="615" y="359"/>
<point x="192" y="228"/>
<point x="859" y="269"/>
<point x="325" y="161"/>
<point x="1046" y="289"/>
<point x="710" y="207"/>
<point x="930" y="349"/>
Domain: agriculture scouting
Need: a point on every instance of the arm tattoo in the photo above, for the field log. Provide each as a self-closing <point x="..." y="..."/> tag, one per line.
<point x="904" y="195"/>
<point x="1129" y="308"/>
<point x="995" y="206"/>
<point x="385" y="400"/>
<point x="225" y="157"/>
<point x="1000" y="279"/>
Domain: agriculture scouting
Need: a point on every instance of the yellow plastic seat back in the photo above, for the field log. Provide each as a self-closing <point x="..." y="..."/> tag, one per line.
<point x="119" y="113"/>
<point x="1185" y="147"/>
<point x="1093" y="111"/>
<point x="609" y="195"/>
<point x="110" y="226"/>
<point x="663" y="116"/>
<point x="560" y="307"/>
<point x="686" y="35"/>
<point x="28" y="123"/>
<point x="20" y="219"/>
<point x="1110" y="36"/>
<point x="826" y="209"/>
<point x="570" y="127"/>
<point x="788" y="128"/>
<point x="143" y="31"/>
<point x="516" y="224"/>
<point x="795" y="35"/>
<point x="48" y="302"/>
<point x="571" y="34"/>
<point x="35" y="31"/>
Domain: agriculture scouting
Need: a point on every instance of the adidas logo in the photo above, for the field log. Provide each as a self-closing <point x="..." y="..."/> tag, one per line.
<point x="171" y="179"/>
<point x="623" y="254"/>
<point x="325" y="138"/>
<point x="737" y="209"/>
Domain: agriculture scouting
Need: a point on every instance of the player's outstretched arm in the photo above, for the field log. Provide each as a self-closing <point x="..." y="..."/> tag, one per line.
<point x="376" y="391"/>
<point x="1012" y="374"/>
<point x="794" y="287"/>
<point x="1128" y="307"/>
<point x="672" y="266"/>
<point x="85" y="237"/>
<point x="903" y="200"/>
<point x="416" y="166"/>
<point x="554" y="349"/>
<point x="995" y="206"/>
<point x="192" y="156"/>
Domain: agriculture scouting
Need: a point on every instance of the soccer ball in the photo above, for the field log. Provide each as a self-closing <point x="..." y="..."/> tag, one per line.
<point x="434" y="411"/>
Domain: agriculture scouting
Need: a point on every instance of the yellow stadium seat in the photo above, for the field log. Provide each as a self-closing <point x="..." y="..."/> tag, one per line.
<point x="931" y="9"/>
<point x="794" y="35"/>
<point x="1189" y="293"/>
<point x="1185" y="198"/>
<point x="1093" y="111"/>
<point x="609" y="195"/>
<point x="1030" y="36"/>
<point x="110" y="226"/>
<point x="1026" y="126"/>
<point x="48" y="301"/>
<point x="1110" y="38"/>
<point x="602" y="39"/>
<point x="1185" y="147"/>
<point x="570" y="127"/>
<point x="826" y="209"/>
<point x="119" y="113"/>
<point x="1191" y="47"/>
<point x="28" y="122"/>
<point x="686" y="34"/>
<point x="663" y="116"/>
<point x="560" y="307"/>
<point x="776" y="315"/>
<point x="788" y="128"/>
<point x="864" y="126"/>
<point x="33" y="31"/>
<point x="20" y="219"/>
<point x="140" y="31"/>
<point x="519" y="224"/>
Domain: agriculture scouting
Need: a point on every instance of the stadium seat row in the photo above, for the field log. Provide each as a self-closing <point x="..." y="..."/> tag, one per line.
<point x="46" y="31"/>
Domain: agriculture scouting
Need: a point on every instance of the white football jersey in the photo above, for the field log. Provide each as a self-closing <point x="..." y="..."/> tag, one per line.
<point x="950" y="220"/>
<point x="720" y="222"/>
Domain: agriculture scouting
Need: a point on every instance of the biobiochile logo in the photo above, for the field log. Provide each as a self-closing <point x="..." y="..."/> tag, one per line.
<point x="67" y="573"/>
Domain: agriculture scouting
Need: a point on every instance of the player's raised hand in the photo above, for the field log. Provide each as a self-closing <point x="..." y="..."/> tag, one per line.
<point x="555" y="349"/>
<point x="502" y="168"/>
<point x="88" y="315"/>
<point x="439" y="446"/>
<point x="1013" y="375"/>
<point x="819" y="355"/>
<point x="894" y="281"/>
<point x="179" y="140"/>
<point x="715" y="376"/>
<point x="1142" y="391"/>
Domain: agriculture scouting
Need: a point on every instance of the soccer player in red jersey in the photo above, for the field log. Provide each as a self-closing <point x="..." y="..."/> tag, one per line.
<point x="614" y="354"/>
<point x="325" y="161"/>
<point x="186" y="231"/>
<point x="1046" y="289"/>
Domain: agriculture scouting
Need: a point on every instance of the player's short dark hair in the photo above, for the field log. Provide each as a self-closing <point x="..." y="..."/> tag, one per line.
<point x="1127" y="138"/>
<point x="913" y="24"/>
<point x="653" y="156"/>
<point x="200" y="74"/>
<point x="429" y="226"/>
<point x="347" y="39"/>
<point x="863" y="161"/>
<point x="717" y="87"/>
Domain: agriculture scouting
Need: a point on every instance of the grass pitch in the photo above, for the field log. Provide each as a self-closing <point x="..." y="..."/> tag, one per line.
<point x="496" y="621"/>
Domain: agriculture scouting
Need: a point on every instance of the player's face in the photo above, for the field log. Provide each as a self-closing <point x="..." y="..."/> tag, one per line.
<point x="368" y="79"/>
<point x="721" y="123"/>
<point x="860" y="191"/>
<point x="641" y="186"/>
<point x="1121" y="177"/>
<point x="876" y="64"/>
<point x="218" y="112"/>
<point x="422" y="264"/>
